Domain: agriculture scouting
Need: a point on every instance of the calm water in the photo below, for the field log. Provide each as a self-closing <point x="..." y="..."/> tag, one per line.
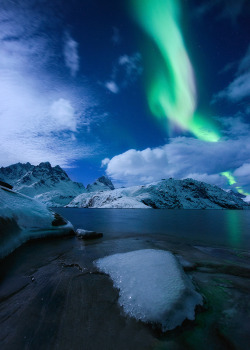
<point x="216" y="227"/>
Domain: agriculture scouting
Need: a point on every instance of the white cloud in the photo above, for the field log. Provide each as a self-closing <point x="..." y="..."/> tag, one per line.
<point x="40" y="115"/>
<point x="247" y="199"/>
<point x="125" y="72"/>
<point x="243" y="173"/>
<point x="71" y="56"/>
<point x="244" y="170"/>
<point x="36" y="126"/>
<point x="185" y="157"/>
<point x="239" y="88"/>
<point x="112" y="87"/>
<point x="105" y="162"/>
<point x="64" y="115"/>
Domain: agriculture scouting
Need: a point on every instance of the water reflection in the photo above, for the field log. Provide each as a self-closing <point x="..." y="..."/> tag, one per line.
<point x="221" y="227"/>
<point x="234" y="227"/>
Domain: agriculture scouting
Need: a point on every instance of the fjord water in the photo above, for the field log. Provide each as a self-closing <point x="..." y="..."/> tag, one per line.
<point x="230" y="228"/>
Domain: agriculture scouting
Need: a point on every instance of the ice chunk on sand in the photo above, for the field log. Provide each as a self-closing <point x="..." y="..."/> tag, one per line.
<point x="152" y="286"/>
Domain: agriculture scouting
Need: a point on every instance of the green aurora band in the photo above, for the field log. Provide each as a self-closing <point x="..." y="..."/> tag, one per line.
<point x="232" y="181"/>
<point x="171" y="91"/>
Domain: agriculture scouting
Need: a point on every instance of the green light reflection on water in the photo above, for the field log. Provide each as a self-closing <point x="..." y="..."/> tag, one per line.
<point x="233" y="223"/>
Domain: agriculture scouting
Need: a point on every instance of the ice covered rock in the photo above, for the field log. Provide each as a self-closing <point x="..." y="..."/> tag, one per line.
<point x="152" y="287"/>
<point x="88" y="235"/>
<point x="23" y="218"/>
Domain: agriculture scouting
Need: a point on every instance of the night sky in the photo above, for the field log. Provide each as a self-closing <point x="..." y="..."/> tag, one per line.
<point x="139" y="90"/>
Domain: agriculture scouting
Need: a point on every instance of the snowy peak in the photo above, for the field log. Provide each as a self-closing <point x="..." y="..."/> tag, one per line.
<point x="25" y="173"/>
<point x="103" y="183"/>
<point x="106" y="181"/>
<point x="51" y="184"/>
<point x="15" y="171"/>
<point x="170" y="194"/>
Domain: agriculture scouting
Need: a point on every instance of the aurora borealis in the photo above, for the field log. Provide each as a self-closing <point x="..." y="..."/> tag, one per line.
<point x="138" y="90"/>
<point x="171" y="90"/>
<point x="232" y="181"/>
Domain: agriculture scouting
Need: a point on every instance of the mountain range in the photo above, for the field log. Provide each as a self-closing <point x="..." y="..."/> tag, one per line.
<point x="170" y="194"/>
<point x="52" y="186"/>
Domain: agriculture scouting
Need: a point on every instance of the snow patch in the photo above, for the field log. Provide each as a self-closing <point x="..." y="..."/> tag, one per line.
<point x="152" y="287"/>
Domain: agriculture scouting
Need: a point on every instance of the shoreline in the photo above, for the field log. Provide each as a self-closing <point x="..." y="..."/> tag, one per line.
<point x="53" y="287"/>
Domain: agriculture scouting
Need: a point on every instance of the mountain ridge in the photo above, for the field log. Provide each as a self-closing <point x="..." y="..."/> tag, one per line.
<point x="170" y="194"/>
<point x="50" y="185"/>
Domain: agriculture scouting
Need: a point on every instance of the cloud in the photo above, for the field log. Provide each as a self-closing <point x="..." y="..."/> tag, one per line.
<point x="185" y="157"/>
<point x="63" y="114"/>
<point x="239" y="88"/>
<point x="41" y="113"/>
<point x="125" y="72"/>
<point x="243" y="173"/>
<point x="112" y="87"/>
<point x="105" y="162"/>
<point x="71" y="56"/>
<point x="132" y="67"/>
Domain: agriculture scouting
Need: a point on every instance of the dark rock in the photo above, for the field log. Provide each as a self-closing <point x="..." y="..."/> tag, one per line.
<point x="58" y="220"/>
<point x="5" y="184"/>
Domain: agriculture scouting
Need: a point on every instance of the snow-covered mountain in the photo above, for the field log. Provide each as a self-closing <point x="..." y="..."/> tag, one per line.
<point x="52" y="186"/>
<point x="48" y="184"/>
<point x="23" y="218"/>
<point x="103" y="183"/>
<point x="171" y="194"/>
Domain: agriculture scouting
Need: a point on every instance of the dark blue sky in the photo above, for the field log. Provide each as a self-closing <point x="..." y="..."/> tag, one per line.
<point x="73" y="91"/>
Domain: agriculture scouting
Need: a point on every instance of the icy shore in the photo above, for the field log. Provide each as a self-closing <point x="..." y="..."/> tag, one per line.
<point x="23" y="218"/>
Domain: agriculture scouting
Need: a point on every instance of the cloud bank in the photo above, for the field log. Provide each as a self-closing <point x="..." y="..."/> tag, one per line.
<point x="185" y="157"/>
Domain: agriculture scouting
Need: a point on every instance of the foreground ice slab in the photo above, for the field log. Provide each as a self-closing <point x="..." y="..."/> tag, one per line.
<point x="23" y="218"/>
<point x="152" y="286"/>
